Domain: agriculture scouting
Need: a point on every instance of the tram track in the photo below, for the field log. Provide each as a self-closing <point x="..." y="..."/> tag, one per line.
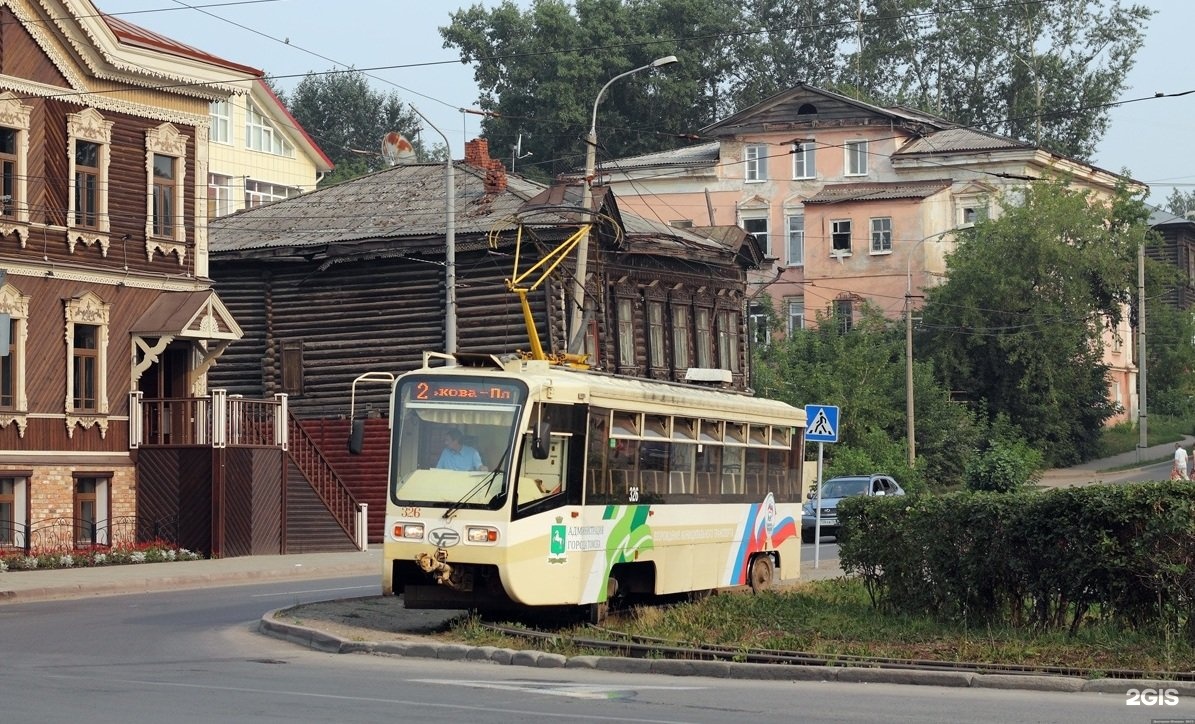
<point x="623" y="644"/>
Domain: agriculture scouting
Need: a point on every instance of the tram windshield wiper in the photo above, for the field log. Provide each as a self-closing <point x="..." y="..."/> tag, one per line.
<point x="485" y="482"/>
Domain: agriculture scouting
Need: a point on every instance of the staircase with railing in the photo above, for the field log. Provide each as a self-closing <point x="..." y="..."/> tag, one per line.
<point x="341" y="503"/>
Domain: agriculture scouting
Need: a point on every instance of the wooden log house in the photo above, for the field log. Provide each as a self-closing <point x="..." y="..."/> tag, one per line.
<point x="351" y="279"/>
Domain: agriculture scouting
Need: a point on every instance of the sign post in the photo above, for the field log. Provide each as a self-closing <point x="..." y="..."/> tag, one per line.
<point x="821" y="426"/>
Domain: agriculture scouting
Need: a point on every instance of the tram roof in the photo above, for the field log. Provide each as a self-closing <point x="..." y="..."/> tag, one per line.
<point x="640" y="395"/>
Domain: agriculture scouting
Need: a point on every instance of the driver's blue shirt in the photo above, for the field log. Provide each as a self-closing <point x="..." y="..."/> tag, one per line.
<point x="466" y="458"/>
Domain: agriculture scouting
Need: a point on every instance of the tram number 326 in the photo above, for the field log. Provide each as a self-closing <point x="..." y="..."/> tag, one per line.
<point x="633" y="493"/>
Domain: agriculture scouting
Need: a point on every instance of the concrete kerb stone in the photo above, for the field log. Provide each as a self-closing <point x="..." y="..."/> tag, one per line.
<point x="321" y="641"/>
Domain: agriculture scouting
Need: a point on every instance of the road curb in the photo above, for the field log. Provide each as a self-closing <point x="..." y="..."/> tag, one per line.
<point x="428" y="649"/>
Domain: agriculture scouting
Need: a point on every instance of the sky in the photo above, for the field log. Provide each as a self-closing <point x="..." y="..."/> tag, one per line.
<point x="401" y="40"/>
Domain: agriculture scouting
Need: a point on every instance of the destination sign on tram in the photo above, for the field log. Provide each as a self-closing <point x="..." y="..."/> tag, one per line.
<point x="465" y="390"/>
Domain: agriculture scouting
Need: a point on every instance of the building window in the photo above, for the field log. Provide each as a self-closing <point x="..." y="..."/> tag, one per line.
<point x="626" y="333"/>
<point x="796" y="239"/>
<point x="90" y="139"/>
<point x="655" y="325"/>
<point x="881" y="235"/>
<point x="85" y="367"/>
<point x="258" y="193"/>
<point x="86" y="512"/>
<point x="12" y="367"/>
<point x="756" y="159"/>
<point x="844" y="312"/>
<point x="87" y="319"/>
<point x="840" y="235"/>
<point x="856" y="158"/>
<point x="973" y="214"/>
<point x="164" y="211"/>
<point x="221" y="131"/>
<point x="803" y="167"/>
<point x="292" y="366"/>
<point x="728" y="340"/>
<point x="680" y="337"/>
<point x="14" y="151"/>
<point x="758" y="322"/>
<point x="87" y="184"/>
<point x="705" y="339"/>
<point x="166" y="170"/>
<point x="796" y="315"/>
<point x="219" y="195"/>
<point x="8" y="511"/>
<point x="260" y="135"/>
<point x="759" y="229"/>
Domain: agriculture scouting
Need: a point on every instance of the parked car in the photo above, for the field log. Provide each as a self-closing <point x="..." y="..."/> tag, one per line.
<point x="834" y="490"/>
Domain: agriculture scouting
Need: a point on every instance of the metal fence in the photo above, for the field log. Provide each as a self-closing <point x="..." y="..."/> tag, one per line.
<point x="64" y="534"/>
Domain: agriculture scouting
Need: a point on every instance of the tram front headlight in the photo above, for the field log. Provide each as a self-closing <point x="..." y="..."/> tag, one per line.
<point x="481" y="534"/>
<point x="408" y="530"/>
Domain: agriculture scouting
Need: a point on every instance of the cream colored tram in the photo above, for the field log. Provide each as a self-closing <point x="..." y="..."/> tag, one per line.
<point x="591" y="487"/>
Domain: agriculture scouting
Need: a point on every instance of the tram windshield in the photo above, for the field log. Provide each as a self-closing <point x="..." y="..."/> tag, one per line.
<point x="452" y="440"/>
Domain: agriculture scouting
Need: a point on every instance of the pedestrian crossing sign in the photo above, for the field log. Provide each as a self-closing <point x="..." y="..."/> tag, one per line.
<point x="821" y="423"/>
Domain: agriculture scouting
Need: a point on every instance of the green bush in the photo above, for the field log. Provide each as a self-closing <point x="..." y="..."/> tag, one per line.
<point x="1004" y="467"/>
<point x="1051" y="560"/>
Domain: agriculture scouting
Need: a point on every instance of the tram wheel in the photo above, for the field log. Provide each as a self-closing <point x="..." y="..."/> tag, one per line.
<point x="762" y="572"/>
<point x="598" y="612"/>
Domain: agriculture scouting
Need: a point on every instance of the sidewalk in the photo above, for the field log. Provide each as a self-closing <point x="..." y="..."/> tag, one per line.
<point x="24" y="586"/>
<point x="1089" y="472"/>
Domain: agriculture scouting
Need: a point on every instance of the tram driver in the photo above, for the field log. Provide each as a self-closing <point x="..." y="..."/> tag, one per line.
<point x="457" y="455"/>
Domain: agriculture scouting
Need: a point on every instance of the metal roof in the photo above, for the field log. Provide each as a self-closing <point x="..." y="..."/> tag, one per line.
<point x="703" y="154"/>
<point x="401" y="201"/>
<point x="879" y="191"/>
<point x="960" y="139"/>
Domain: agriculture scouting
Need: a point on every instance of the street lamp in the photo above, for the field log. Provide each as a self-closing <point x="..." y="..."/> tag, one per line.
<point x="576" y="326"/>
<point x="909" y="342"/>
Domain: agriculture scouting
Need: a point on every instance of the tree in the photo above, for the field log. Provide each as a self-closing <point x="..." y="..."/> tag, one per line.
<point x="1179" y="203"/>
<point x="1024" y="339"/>
<point x="348" y="119"/>
<point x="863" y="372"/>
<point x="1041" y="72"/>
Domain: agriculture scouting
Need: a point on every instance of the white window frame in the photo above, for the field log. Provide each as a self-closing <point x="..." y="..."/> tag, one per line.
<point x="803" y="161"/>
<point x="795" y="241"/>
<point x="703" y="325"/>
<point x="221" y="122"/>
<point x="763" y="237"/>
<point x="89" y="125"/>
<point x="755" y="161"/>
<point x="796" y="311"/>
<point x="757" y="324"/>
<point x="20" y="508"/>
<point x="16" y="306"/>
<point x="881" y="235"/>
<point x="855" y="163"/>
<point x="219" y="195"/>
<point x="836" y="228"/>
<point x="626" y="332"/>
<point x="165" y="140"/>
<point x="260" y="193"/>
<point x="87" y="308"/>
<point x="680" y="337"/>
<point x="261" y="135"/>
<point x="15" y="116"/>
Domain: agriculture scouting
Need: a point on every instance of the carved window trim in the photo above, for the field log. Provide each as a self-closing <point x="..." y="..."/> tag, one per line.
<point x="89" y="125"/>
<point x="16" y="305"/>
<point x="87" y="308"/>
<point x="15" y="115"/>
<point x="165" y="140"/>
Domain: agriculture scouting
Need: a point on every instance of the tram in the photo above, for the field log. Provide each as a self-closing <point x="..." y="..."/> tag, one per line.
<point x="519" y="484"/>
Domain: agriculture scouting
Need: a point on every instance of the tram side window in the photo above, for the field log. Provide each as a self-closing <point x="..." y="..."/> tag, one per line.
<point x="755" y="481"/>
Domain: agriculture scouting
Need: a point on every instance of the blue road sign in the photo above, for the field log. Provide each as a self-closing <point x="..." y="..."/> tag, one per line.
<point x="821" y="423"/>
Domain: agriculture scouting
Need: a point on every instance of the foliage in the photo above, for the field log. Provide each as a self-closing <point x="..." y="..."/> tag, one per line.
<point x="1125" y="437"/>
<point x="1008" y="464"/>
<point x="1042" y="72"/>
<point x="1179" y="202"/>
<point x="1026" y="340"/>
<point x="862" y="371"/>
<point x="1058" y="559"/>
<point x="92" y="556"/>
<point x="1169" y="355"/>
<point x="348" y="120"/>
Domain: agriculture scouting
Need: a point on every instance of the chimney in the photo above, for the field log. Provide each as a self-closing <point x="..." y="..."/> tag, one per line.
<point x="477" y="154"/>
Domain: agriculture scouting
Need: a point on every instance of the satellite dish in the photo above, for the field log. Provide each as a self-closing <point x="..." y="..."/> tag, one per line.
<point x="397" y="149"/>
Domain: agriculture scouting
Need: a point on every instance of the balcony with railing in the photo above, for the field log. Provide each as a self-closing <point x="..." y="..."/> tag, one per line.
<point x="217" y="420"/>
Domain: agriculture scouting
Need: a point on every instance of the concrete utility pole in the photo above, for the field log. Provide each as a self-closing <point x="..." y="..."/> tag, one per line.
<point x="577" y="320"/>
<point x="1142" y="409"/>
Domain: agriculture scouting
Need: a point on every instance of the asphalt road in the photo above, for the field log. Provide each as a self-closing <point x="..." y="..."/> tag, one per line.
<point x="192" y="656"/>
